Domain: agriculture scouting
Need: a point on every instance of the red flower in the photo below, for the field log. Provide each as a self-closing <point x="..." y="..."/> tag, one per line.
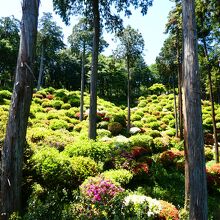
<point x="138" y="151"/>
<point x="168" y="211"/>
<point x="141" y="167"/>
<point x="49" y="96"/>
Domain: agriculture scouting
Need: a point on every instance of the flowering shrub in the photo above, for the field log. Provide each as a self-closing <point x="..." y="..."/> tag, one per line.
<point x="170" y="158"/>
<point x="49" y="96"/>
<point x="142" y="207"/>
<point x="213" y="174"/>
<point x="168" y="211"/>
<point x="100" y="190"/>
<point x="141" y="167"/>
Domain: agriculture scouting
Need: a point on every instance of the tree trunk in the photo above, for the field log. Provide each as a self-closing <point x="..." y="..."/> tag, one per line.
<point x="94" y="72"/>
<point x="212" y="103"/>
<point x="82" y="82"/>
<point x="13" y="147"/>
<point x="193" y="132"/>
<point x="175" y="111"/>
<point x="180" y="101"/>
<point x="41" y="69"/>
<point x="128" y="96"/>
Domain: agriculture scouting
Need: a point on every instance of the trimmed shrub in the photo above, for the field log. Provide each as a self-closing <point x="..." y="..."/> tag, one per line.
<point x="82" y="168"/>
<point x="115" y="128"/>
<point x="142" y="103"/>
<point x="99" y="190"/>
<point x="47" y="103"/>
<point x="66" y="106"/>
<point x="168" y="211"/>
<point x="103" y="133"/>
<point x="57" y="104"/>
<point x="120" y="176"/>
<point x="58" y="170"/>
<point x="99" y="151"/>
<point x="154" y="133"/>
<point x="142" y="140"/>
<point x="119" y="117"/>
<point x="154" y="125"/>
<point x="136" y="117"/>
<point x="5" y="94"/>
<point x="62" y="94"/>
<point x="74" y="101"/>
<point x="138" y="124"/>
<point x="54" y="168"/>
<point x="56" y="124"/>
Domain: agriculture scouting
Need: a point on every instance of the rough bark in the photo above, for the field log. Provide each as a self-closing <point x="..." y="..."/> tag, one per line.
<point x="82" y="82"/>
<point x="13" y="147"/>
<point x="193" y="132"/>
<point x="93" y="83"/>
<point x="175" y="111"/>
<point x="128" y="96"/>
<point x="41" y="68"/>
<point x="212" y="103"/>
<point x="180" y="102"/>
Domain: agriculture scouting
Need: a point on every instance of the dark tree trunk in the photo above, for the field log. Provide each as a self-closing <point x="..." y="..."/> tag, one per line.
<point x="193" y="132"/>
<point x="175" y="111"/>
<point x="128" y="96"/>
<point x="13" y="147"/>
<point x="180" y="101"/>
<point x="39" y="82"/>
<point x="82" y="83"/>
<point x="212" y="103"/>
<point x="93" y="83"/>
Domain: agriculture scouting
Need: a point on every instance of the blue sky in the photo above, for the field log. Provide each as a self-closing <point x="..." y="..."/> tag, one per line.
<point x="151" y="26"/>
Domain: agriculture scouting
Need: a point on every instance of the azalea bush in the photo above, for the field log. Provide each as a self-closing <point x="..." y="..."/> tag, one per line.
<point x="100" y="190"/>
<point x="213" y="175"/>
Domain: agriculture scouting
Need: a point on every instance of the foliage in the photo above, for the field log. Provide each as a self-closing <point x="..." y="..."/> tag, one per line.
<point x="120" y="176"/>
<point x="115" y="128"/>
<point x="99" y="151"/>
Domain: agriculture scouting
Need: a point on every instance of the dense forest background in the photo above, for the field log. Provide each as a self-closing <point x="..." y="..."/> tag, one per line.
<point x="60" y="65"/>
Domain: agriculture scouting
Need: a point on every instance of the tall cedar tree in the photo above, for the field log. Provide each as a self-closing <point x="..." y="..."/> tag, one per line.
<point x="13" y="147"/>
<point x="196" y="187"/>
<point x="130" y="48"/>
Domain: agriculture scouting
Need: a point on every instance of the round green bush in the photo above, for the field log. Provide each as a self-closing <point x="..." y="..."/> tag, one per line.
<point x="57" y="169"/>
<point x="56" y="124"/>
<point x="62" y="94"/>
<point x="142" y="140"/>
<point x="154" y="133"/>
<point x="54" y="168"/>
<point x="103" y="125"/>
<point x="57" y="104"/>
<point x="138" y="124"/>
<point x="135" y="117"/>
<point x="120" y="176"/>
<point x="115" y="128"/>
<point x="66" y="106"/>
<point x="118" y="117"/>
<point x="103" y="133"/>
<point x="5" y="94"/>
<point x="98" y="151"/>
<point x="47" y="104"/>
<point x="154" y="125"/>
<point x="74" y="101"/>
<point x="142" y="103"/>
<point x="82" y="168"/>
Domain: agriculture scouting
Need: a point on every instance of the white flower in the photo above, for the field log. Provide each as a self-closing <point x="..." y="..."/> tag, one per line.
<point x="153" y="204"/>
<point x="136" y="199"/>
